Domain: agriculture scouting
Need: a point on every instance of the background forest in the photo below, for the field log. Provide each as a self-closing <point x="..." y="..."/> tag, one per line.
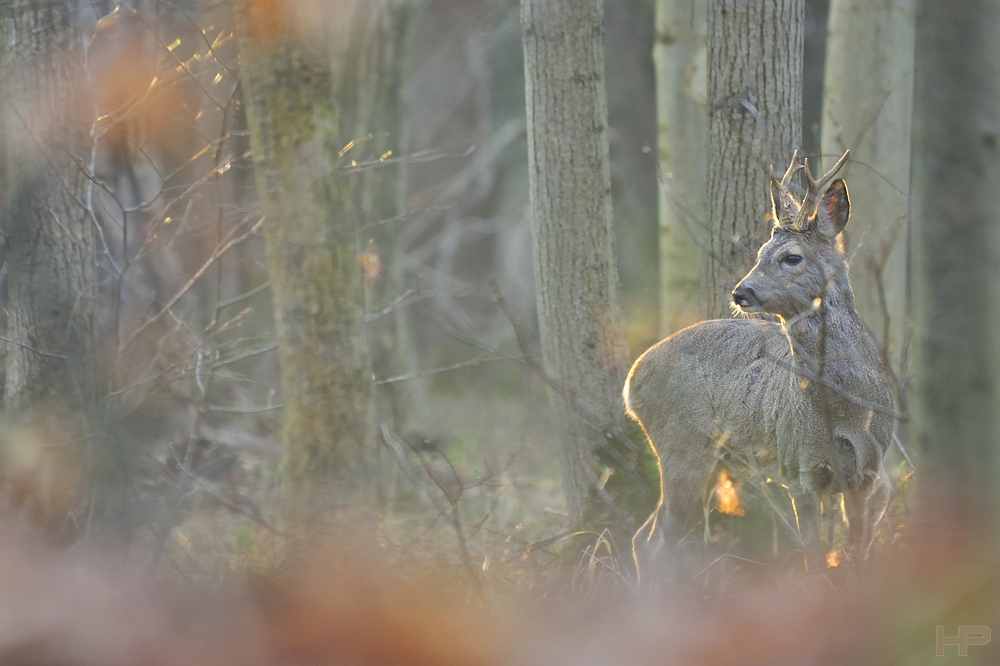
<point x="292" y="289"/>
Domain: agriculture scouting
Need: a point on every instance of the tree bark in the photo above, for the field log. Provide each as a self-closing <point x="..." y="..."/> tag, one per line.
<point x="302" y="85"/>
<point x="51" y="297"/>
<point x="754" y="120"/>
<point x="867" y="107"/>
<point x="680" y="59"/>
<point x="580" y="318"/>
<point x="956" y="251"/>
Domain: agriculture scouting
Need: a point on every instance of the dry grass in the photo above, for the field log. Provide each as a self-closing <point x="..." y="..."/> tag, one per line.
<point x="71" y="608"/>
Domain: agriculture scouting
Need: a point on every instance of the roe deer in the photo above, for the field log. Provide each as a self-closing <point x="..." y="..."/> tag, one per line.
<point x="808" y="398"/>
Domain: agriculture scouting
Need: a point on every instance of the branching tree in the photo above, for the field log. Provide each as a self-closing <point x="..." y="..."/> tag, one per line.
<point x="679" y="57"/>
<point x="580" y="319"/>
<point x="868" y="98"/>
<point x="956" y="250"/>
<point x="303" y="106"/>
<point x="754" y="120"/>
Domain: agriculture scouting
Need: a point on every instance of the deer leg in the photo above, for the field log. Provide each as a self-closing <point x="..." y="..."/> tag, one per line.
<point x="684" y="498"/>
<point x="649" y="548"/>
<point x="879" y="501"/>
<point x="806" y="503"/>
<point x="859" y="522"/>
<point x="867" y="503"/>
<point x="654" y="546"/>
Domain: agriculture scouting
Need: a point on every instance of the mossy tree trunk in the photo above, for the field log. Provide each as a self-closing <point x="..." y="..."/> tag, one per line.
<point x="303" y="89"/>
<point x="580" y="318"/>
<point x="680" y="60"/>
<point x="754" y="120"/>
<point x="955" y="400"/>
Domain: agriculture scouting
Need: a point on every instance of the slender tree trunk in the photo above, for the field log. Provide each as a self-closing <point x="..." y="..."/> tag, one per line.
<point x="380" y="70"/>
<point x="51" y="297"/>
<point x="680" y="58"/>
<point x="956" y="251"/>
<point x="382" y="193"/>
<point x="303" y="107"/>
<point x="580" y="319"/>
<point x="754" y="120"/>
<point x="867" y="106"/>
<point x="386" y="66"/>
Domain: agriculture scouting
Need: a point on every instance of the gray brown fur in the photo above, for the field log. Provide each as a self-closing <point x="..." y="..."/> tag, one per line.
<point x="746" y="390"/>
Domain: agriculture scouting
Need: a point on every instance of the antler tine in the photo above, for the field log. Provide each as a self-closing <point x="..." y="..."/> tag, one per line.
<point x="786" y="207"/>
<point x="792" y="169"/>
<point x="774" y="179"/>
<point x="816" y="185"/>
<point x="811" y="199"/>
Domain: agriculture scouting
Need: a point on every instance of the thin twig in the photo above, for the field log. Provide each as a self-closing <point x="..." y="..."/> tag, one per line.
<point x="194" y="278"/>
<point x="214" y="494"/>
<point x="34" y="349"/>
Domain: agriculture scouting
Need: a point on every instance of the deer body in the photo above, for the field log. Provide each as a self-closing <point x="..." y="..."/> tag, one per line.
<point x="806" y="400"/>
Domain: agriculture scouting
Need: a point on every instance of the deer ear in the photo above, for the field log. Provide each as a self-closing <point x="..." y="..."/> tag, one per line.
<point x="775" y="204"/>
<point x="834" y="209"/>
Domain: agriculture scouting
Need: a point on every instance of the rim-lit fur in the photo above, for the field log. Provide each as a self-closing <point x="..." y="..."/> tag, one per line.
<point x="745" y="394"/>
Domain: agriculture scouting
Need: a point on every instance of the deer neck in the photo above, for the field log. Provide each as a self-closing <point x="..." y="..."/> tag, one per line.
<point x="830" y="331"/>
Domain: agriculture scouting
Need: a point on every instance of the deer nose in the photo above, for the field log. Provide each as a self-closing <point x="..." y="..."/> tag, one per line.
<point x="745" y="297"/>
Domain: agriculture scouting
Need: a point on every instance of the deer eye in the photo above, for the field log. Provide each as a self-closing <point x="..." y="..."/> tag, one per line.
<point x="792" y="259"/>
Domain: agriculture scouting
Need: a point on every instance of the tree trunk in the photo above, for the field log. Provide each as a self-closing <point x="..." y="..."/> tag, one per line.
<point x="381" y="65"/>
<point x="303" y="105"/>
<point x="956" y="251"/>
<point x="868" y="99"/>
<point x="382" y="192"/>
<point x="580" y="319"/>
<point x="383" y="188"/>
<point x="680" y="59"/>
<point x="754" y="120"/>
<point x="51" y="386"/>
<point x="51" y="297"/>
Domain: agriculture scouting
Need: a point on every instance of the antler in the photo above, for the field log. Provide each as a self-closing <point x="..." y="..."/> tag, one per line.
<point x="792" y="214"/>
<point x="811" y="200"/>
<point x="789" y="207"/>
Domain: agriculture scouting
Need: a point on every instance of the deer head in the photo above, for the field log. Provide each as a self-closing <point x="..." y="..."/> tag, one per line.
<point x="804" y="260"/>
